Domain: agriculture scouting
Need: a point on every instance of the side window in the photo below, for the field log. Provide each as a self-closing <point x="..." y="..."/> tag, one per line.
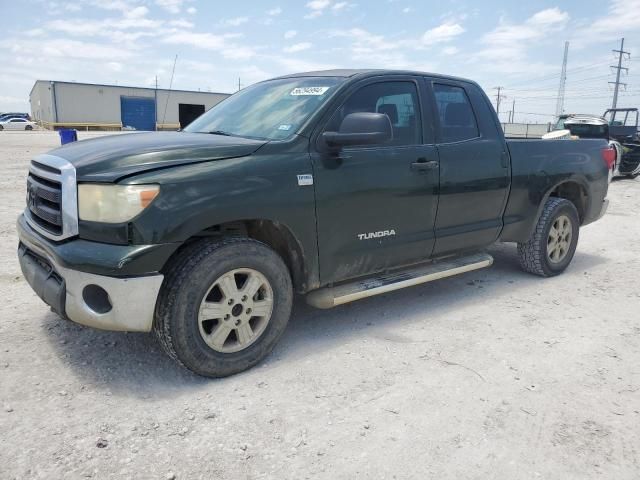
<point x="457" y="121"/>
<point x="397" y="100"/>
<point x="16" y="120"/>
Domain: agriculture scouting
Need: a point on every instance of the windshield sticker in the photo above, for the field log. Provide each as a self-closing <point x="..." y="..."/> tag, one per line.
<point x="309" y="91"/>
<point x="285" y="126"/>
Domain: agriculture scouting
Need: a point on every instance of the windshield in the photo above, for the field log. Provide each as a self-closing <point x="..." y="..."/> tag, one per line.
<point x="271" y="110"/>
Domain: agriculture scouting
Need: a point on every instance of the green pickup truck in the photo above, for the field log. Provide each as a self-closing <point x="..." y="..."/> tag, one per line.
<point x="336" y="185"/>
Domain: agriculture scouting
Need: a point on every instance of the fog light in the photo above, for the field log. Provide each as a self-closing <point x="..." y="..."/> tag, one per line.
<point x="96" y="298"/>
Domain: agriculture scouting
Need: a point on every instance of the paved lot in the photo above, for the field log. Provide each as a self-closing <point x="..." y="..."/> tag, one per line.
<point x="494" y="374"/>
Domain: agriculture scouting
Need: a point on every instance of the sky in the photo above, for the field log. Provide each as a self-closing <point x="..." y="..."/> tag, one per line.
<point x="514" y="45"/>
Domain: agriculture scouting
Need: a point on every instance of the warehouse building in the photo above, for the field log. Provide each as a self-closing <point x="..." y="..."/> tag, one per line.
<point x="112" y="107"/>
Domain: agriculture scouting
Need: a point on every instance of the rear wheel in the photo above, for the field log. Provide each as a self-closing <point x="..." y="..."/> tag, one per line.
<point x="28" y="127"/>
<point x="223" y="305"/>
<point x="553" y="243"/>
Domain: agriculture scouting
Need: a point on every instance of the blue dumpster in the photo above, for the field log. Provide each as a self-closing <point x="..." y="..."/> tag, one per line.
<point x="68" y="136"/>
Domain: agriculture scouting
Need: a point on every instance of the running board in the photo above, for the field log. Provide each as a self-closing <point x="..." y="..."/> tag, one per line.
<point x="329" y="297"/>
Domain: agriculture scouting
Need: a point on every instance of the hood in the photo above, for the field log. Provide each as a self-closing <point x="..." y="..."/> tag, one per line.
<point x="109" y="158"/>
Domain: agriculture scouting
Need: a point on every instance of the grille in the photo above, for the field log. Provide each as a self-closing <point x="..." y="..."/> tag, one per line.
<point x="51" y="197"/>
<point x="44" y="200"/>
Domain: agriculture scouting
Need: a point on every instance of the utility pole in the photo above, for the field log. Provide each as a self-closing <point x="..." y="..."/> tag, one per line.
<point x="499" y="98"/>
<point x="621" y="53"/>
<point x="155" y="103"/>
<point x="239" y="86"/>
<point x="513" y="111"/>
<point x="563" y="81"/>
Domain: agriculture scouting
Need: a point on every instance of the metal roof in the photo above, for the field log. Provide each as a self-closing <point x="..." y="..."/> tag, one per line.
<point x="125" y="86"/>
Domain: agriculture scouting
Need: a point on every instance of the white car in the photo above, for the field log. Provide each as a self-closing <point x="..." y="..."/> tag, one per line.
<point x="17" y="124"/>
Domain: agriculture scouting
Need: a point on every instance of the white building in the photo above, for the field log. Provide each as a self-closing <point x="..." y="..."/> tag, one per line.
<point x="83" y="105"/>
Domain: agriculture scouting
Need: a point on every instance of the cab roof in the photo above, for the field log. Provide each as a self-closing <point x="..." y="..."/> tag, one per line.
<point x="370" y="72"/>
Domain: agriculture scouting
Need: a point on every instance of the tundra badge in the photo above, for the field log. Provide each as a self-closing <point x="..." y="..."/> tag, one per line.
<point x="306" y="179"/>
<point x="383" y="233"/>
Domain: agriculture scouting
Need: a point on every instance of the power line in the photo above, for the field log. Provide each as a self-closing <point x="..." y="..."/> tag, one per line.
<point x="619" y="68"/>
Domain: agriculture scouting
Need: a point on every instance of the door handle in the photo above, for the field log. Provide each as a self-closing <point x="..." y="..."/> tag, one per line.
<point x="422" y="164"/>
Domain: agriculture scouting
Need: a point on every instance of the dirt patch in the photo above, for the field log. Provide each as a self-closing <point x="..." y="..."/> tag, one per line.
<point x="493" y="374"/>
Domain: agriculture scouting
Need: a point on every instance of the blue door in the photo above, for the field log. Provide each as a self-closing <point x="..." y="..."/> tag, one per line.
<point x="138" y="112"/>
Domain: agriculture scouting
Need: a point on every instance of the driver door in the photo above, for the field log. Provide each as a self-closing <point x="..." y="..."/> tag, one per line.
<point x="376" y="204"/>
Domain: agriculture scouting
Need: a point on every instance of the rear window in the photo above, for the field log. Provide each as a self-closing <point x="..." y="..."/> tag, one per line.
<point x="457" y="120"/>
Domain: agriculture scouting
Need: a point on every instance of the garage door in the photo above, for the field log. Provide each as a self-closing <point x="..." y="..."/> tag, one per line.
<point x="138" y="112"/>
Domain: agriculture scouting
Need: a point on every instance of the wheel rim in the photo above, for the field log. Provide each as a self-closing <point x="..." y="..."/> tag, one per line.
<point x="559" y="239"/>
<point x="236" y="310"/>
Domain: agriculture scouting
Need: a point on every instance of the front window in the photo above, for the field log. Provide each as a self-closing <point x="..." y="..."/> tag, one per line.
<point x="398" y="100"/>
<point x="271" y="110"/>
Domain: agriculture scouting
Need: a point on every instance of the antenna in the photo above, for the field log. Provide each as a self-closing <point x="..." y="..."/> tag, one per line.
<point x="563" y="81"/>
<point x="169" y="92"/>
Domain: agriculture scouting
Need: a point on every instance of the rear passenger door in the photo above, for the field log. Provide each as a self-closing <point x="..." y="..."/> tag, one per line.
<point x="474" y="167"/>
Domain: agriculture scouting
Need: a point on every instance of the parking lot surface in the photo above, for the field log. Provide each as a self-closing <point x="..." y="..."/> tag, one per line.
<point x="492" y="374"/>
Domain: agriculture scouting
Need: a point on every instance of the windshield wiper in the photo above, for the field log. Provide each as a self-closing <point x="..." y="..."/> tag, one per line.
<point x="221" y="132"/>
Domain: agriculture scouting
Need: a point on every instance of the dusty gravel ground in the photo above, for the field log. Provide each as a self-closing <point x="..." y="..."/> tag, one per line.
<point x="493" y="374"/>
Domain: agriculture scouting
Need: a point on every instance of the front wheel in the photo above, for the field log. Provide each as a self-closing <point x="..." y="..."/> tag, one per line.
<point x="223" y="305"/>
<point x="28" y="127"/>
<point x="553" y="243"/>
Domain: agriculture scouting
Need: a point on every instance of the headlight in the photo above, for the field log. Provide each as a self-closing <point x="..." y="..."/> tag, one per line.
<point x="113" y="203"/>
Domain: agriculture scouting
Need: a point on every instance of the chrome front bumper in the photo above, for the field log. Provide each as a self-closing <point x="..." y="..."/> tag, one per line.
<point x="124" y="304"/>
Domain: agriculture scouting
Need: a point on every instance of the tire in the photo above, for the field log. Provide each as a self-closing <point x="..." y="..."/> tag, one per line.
<point x="28" y="127"/>
<point x="194" y="278"/>
<point x="543" y="256"/>
<point x="1" y="128"/>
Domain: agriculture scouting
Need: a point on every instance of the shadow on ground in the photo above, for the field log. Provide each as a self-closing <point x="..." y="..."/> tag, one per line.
<point x="134" y="363"/>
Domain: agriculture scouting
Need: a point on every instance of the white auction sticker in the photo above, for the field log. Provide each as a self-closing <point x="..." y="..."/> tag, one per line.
<point x="309" y="91"/>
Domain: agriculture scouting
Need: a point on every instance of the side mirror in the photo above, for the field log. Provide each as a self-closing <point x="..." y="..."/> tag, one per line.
<point x="361" y="128"/>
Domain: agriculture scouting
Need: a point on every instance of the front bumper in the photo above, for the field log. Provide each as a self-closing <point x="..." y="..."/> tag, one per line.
<point x="99" y="301"/>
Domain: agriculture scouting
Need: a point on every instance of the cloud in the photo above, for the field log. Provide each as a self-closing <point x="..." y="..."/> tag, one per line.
<point x="64" y="48"/>
<point x="192" y="10"/>
<point x="290" y="33"/>
<point x="72" y="7"/>
<point x="114" y="66"/>
<point x="238" y="52"/>
<point x="317" y="8"/>
<point x="171" y="6"/>
<point x="535" y="27"/>
<point x="507" y="45"/>
<point x="34" y="32"/>
<point x="234" y="22"/>
<point x="450" y="50"/>
<point x="207" y="41"/>
<point x="274" y="11"/>
<point x="442" y="33"/>
<point x="181" y="23"/>
<point x="298" y="47"/>
<point x="622" y="16"/>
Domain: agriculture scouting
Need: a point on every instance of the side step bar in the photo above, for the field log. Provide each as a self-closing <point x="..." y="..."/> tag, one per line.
<point x="329" y="297"/>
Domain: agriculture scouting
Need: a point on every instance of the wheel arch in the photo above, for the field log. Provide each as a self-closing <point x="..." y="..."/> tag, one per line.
<point x="572" y="190"/>
<point x="275" y="234"/>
